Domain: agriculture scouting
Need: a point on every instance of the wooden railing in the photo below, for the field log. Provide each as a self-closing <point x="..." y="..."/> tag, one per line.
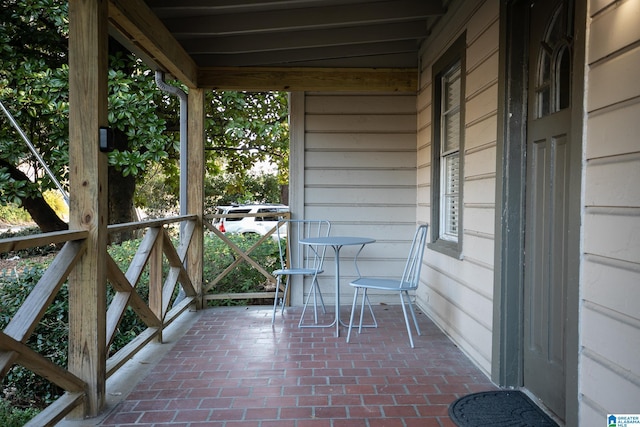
<point x="240" y="257"/>
<point x="156" y="313"/>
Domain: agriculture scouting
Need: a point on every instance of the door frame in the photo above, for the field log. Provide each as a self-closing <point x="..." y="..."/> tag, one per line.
<point x="508" y="335"/>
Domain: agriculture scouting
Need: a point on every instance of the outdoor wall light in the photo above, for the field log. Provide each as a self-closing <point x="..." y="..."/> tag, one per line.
<point x="107" y="139"/>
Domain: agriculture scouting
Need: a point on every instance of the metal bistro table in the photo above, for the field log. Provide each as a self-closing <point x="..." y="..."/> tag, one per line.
<point x="337" y="242"/>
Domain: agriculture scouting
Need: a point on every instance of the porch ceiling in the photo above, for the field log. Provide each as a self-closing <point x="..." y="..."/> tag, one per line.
<point x="279" y="44"/>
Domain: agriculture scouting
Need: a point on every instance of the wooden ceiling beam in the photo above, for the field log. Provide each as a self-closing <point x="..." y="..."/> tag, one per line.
<point x="309" y="79"/>
<point x="146" y="34"/>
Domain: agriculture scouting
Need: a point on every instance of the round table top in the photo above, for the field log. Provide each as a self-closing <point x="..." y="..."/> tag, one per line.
<point x="337" y="240"/>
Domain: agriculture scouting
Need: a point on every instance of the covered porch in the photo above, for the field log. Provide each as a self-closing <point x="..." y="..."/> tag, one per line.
<point x="365" y="154"/>
<point x="227" y="366"/>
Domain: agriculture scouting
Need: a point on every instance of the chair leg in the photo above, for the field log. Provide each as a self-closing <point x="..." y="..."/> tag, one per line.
<point x="306" y="303"/>
<point x="365" y="299"/>
<point x="406" y="317"/>
<point x="353" y="311"/>
<point x="413" y="313"/>
<point x="275" y="300"/>
<point x="317" y="288"/>
<point x="373" y="316"/>
<point x="286" y="292"/>
<point x="315" y="291"/>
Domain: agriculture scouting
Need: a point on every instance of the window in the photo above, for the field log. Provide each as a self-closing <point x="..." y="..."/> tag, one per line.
<point x="448" y="139"/>
<point x="553" y="80"/>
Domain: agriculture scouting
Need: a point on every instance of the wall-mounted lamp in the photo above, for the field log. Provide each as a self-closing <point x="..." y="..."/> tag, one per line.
<point x="107" y="139"/>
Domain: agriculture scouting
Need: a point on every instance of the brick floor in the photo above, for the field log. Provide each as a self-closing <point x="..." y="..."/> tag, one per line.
<point x="233" y="369"/>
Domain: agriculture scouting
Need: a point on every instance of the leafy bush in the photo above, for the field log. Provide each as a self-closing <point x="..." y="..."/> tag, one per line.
<point x="243" y="278"/>
<point x="15" y="417"/>
<point x="50" y="338"/>
<point x="130" y="325"/>
<point x="13" y="214"/>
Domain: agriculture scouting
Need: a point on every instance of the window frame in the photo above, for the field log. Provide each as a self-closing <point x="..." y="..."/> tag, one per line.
<point x="442" y="68"/>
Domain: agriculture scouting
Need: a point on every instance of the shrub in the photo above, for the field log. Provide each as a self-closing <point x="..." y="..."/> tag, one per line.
<point x="13" y="214"/>
<point x="243" y="278"/>
<point x="15" y="417"/>
<point x="22" y="387"/>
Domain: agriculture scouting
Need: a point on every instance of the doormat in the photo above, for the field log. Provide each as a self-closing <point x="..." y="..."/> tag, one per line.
<point x="503" y="408"/>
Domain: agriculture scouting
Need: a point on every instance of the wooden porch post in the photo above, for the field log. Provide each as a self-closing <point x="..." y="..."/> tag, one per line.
<point x="88" y="43"/>
<point x="195" y="185"/>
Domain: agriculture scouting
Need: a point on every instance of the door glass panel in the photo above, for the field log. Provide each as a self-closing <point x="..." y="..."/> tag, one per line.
<point x="552" y="89"/>
<point x="564" y="78"/>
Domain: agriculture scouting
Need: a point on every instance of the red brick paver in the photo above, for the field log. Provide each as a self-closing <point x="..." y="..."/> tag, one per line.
<point x="233" y="369"/>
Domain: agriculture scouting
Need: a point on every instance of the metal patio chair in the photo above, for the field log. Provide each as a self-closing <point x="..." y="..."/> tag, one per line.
<point x="407" y="282"/>
<point x="297" y="259"/>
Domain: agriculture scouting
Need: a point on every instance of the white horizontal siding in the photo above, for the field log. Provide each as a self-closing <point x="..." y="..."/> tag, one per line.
<point x="613" y="181"/>
<point x="625" y="21"/>
<point x="603" y="377"/>
<point x="341" y="159"/>
<point x="480" y="162"/>
<point x="610" y="287"/>
<point x="458" y="294"/>
<point x="360" y="104"/>
<point x="360" y="173"/>
<point x="606" y="279"/>
<point x="613" y="233"/>
<point x="481" y="133"/>
<point x="482" y="216"/>
<point x="358" y="177"/>
<point x="449" y="299"/>
<point x="361" y="123"/>
<point x="480" y="191"/>
<point x="614" y="131"/>
<point x="614" y="80"/>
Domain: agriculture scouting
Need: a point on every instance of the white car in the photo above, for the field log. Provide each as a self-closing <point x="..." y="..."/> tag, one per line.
<point x="258" y="224"/>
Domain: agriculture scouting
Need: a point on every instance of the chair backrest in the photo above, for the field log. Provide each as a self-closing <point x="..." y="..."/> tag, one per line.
<point x="293" y="254"/>
<point x="411" y="273"/>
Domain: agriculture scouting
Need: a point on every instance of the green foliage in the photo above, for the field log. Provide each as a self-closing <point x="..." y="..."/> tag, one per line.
<point x="243" y="278"/>
<point x="34" y="77"/>
<point x="50" y="337"/>
<point x="33" y="86"/>
<point x="11" y="416"/>
<point x="134" y="104"/>
<point x="242" y="128"/>
<point x="221" y="190"/>
<point x="13" y="214"/>
<point x="245" y="128"/>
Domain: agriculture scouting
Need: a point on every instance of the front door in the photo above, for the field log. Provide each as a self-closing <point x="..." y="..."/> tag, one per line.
<point x="547" y="196"/>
